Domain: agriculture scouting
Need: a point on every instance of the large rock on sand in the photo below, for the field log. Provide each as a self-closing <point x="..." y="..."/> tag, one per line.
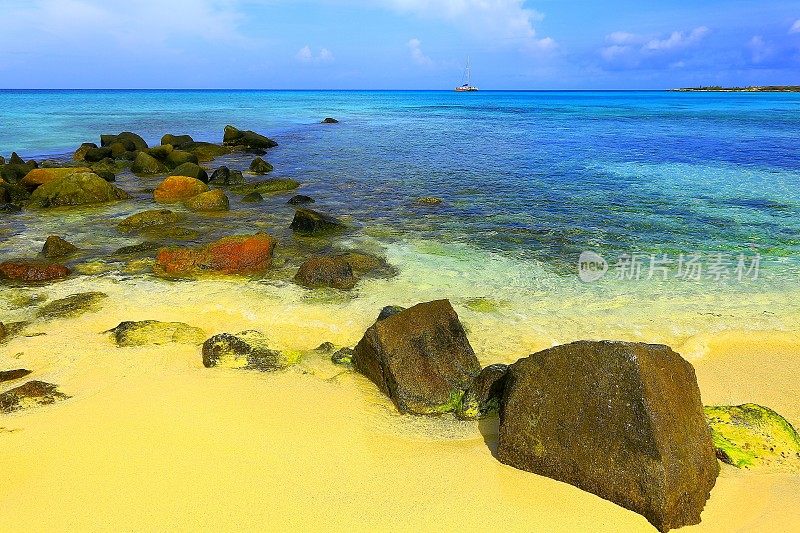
<point x="621" y="420"/>
<point x="246" y="139"/>
<point x="241" y="255"/>
<point x="81" y="188"/>
<point x="247" y="350"/>
<point x="31" y="394"/>
<point x="176" y="189"/>
<point x="153" y="332"/>
<point x="420" y="358"/>
<point x="752" y="436"/>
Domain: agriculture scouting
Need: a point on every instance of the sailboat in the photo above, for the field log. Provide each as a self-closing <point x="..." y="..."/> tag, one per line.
<point x="467" y="87"/>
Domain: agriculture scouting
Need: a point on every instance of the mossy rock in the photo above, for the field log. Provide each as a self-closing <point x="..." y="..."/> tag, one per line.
<point x="80" y="153"/>
<point x="259" y="166"/>
<point x="147" y="219"/>
<point x="753" y="436"/>
<point x="153" y="332"/>
<point x="178" y="157"/>
<point x="145" y="247"/>
<point x="176" y="140"/>
<point x="246" y="138"/>
<point x="244" y="350"/>
<point x="206" y="151"/>
<point x="269" y="186"/>
<point x="76" y="189"/>
<point x="72" y="306"/>
<point x="11" y="193"/>
<point x="224" y="176"/>
<point x="192" y="170"/>
<point x="31" y="394"/>
<point x="208" y="202"/>
<point x="93" y="155"/>
<point x="55" y="247"/>
<point x="127" y="139"/>
<point x="252" y="198"/>
<point x="161" y="151"/>
<point x="147" y="165"/>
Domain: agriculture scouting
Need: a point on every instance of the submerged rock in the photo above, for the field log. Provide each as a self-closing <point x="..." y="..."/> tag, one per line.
<point x="252" y="198"/>
<point x="752" y="436"/>
<point x="209" y="201"/>
<point x="147" y="219"/>
<point x="225" y="176"/>
<point x="300" y="199"/>
<point x="330" y="120"/>
<point x="484" y="394"/>
<point x="273" y="185"/>
<point x="147" y="165"/>
<point x="313" y="222"/>
<point x="11" y="375"/>
<point x="31" y="394"/>
<point x="176" y="189"/>
<point x="141" y="248"/>
<point x="150" y="332"/>
<point x="247" y="139"/>
<point x="247" y="254"/>
<point x="429" y="200"/>
<point x="32" y="271"/>
<point x="82" y="188"/>
<point x="248" y="350"/>
<point x="421" y="358"/>
<point x="621" y="420"/>
<point x="259" y="166"/>
<point x="73" y="305"/>
<point x="55" y="247"/>
<point x="368" y="265"/>
<point x="191" y="170"/>
<point x="324" y="271"/>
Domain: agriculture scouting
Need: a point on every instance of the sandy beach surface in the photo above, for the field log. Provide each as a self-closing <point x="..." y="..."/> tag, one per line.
<point x="151" y="440"/>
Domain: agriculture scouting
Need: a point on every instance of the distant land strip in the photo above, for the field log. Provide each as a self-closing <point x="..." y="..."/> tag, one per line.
<point x="751" y="89"/>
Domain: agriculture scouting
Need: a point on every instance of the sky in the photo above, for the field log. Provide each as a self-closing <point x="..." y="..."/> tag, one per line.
<point x="398" y="44"/>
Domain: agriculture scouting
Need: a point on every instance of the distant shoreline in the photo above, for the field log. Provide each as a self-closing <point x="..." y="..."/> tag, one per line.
<point x="751" y="89"/>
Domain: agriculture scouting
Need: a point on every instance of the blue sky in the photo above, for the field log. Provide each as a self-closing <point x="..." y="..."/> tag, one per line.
<point x="403" y="44"/>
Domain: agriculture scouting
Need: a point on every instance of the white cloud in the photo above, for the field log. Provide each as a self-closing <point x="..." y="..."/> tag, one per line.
<point x="759" y="49"/>
<point x="677" y="39"/>
<point x="795" y="27"/>
<point x="417" y="55"/>
<point x="632" y="49"/>
<point x="495" y="20"/>
<point x="306" y="55"/>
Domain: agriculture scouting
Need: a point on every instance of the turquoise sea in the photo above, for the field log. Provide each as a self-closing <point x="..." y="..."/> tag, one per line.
<point x="529" y="180"/>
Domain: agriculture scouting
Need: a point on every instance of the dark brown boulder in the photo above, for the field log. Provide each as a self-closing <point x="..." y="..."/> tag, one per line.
<point x="330" y="120"/>
<point x="620" y="420"/>
<point x="55" y="247"/>
<point x="324" y="271"/>
<point x="33" y="393"/>
<point x="310" y="222"/>
<point x="420" y="357"/>
<point x="483" y="396"/>
<point x="246" y="139"/>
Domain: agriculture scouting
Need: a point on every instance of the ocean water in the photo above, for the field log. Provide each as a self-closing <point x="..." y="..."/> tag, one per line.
<point x="529" y="181"/>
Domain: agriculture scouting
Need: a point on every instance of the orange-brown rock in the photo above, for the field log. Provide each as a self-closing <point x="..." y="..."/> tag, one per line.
<point x="32" y="271"/>
<point x="241" y="254"/>
<point x="176" y="189"/>
<point x="40" y="176"/>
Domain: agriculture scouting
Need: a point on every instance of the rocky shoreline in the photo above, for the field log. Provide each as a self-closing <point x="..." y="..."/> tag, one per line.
<point x="621" y="420"/>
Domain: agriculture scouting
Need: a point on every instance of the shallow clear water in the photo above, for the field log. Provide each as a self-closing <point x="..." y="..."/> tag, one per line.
<point x="529" y="180"/>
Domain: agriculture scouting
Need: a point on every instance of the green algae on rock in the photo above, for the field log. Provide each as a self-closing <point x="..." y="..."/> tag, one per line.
<point x="147" y="165"/>
<point x="483" y="396"/>
<point x="192" y="170"/>
<point x="73" y="305"/>
<point x="273" y="185"/>
<point x="150" y="218"/>
<point x="82" y="188"/>
<point x="753" y="436"/>
<point x="31" y="394"/>
<point x="149" y="332"/>
<point x="245" y="350"/>
<point x="55" y="247"/>
<point x="259" y="166"/>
